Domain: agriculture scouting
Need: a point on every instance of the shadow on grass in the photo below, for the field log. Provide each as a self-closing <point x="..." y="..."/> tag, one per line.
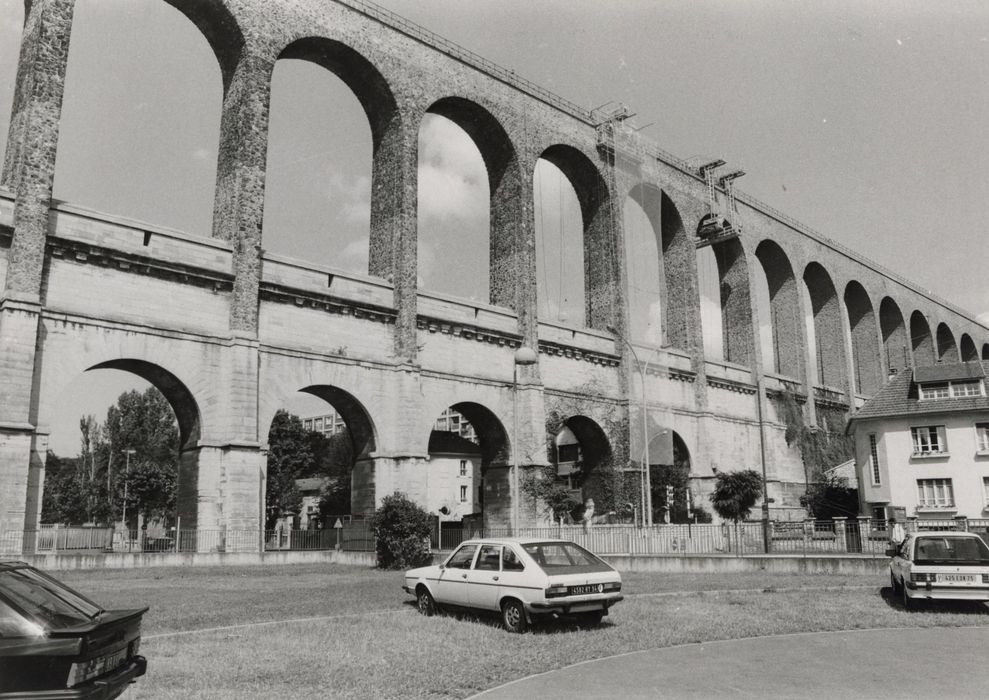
<point x="543" y="626"/>
<point x="949" y="607"/>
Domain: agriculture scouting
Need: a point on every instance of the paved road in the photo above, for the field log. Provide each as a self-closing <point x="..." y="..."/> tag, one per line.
<point x="913" y="663"/>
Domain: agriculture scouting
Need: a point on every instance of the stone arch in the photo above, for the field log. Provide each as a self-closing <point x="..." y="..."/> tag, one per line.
<point x="736" y="305"/>
<point x="896" y="345"/>
<point x="676" y="261"/>
<point x="784" y="309"/>
<point x="504" y="188"/>
<point x="866" y="359"/>
<point x="921" y="340"/>
<point x="966" y="347"/>
<point x="828" y="336"/>
<point x="600" y="264"/>
<point x="220" y="28"/>
<point x="677" y="474"/>
<point x="179" y="397"/>
<point x="595" y="452"/>
<point x="156" y="145"/>
<point x="374" y="95"/>
<point x="947" y="349"/>
<point x="363" y="434"/>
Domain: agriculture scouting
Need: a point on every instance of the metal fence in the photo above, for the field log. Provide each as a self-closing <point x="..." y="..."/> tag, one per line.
<point x="857" y="536"/>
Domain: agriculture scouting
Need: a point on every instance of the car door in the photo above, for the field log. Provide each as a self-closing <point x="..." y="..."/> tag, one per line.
<point x="451" y="587"/>
<point x="485" y="577"/>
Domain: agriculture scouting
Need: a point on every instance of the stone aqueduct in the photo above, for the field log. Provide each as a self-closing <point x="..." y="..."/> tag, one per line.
<point x="228" y="332"/>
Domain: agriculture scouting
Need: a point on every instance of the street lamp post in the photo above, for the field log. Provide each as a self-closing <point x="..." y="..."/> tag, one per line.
<point x="523" y="356"/>
<point x="127" y="452"/>
<point x="645" y="479"/>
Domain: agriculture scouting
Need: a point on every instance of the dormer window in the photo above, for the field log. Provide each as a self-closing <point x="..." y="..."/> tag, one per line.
<point x="953" y="390"/>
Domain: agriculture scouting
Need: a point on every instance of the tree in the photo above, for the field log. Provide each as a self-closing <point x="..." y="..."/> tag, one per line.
<point x="402" y="529"/>
<point x="736" y="493"/>
<point x="543" y="487"/>
<point x="829" y="497"/>
<point x="91" y="488"/>
<point x="290" y="456"/>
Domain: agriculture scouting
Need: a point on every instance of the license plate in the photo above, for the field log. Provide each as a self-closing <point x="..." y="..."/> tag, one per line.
<point x="585" y="590"/>
<point x="956" y="578"/>
<point x="83" y="671"/>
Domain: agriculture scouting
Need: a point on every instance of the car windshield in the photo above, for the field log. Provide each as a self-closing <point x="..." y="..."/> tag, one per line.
<point x="564" y="557"/>
<point x="45" y="599"/>
<point x="945" y="549"/>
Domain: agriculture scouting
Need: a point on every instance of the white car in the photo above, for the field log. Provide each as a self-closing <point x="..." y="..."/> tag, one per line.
<point x="523" y="578"/>
<point x="940" y="565"/>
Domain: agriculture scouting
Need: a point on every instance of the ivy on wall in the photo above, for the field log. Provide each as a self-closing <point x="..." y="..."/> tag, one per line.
<point x="821" y="446"/>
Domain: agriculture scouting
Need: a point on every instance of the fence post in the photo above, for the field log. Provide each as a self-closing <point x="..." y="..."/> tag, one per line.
<point x="178" y="532"/>
<point x="840" y="533"/>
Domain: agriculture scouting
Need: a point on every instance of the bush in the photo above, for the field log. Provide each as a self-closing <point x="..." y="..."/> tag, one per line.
<point x="735" y="494"/>
<point x="402" y="529"/>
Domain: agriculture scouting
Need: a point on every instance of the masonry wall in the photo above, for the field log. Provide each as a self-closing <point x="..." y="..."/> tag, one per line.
<point x="228" y="332"/>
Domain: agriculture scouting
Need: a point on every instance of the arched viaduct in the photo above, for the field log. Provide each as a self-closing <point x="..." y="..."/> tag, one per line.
<point x="226" y="331"/>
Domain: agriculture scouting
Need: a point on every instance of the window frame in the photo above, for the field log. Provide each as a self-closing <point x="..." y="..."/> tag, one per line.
<point x="874" y="459"/>
<point x="939" y="433"/>
<point x="982" y="439"/>
<point x="948" y="494"/>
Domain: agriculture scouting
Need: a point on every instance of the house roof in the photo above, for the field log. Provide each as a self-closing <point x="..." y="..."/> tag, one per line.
<point x="444" y="442"/>
<point x="945" y="373"/>
<point x="899" y="397"/>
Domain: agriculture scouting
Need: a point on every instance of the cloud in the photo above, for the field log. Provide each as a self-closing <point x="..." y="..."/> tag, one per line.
<point x="983" y="318"/>
<point x="453" y="182"/>
<point x="352" y="196"/>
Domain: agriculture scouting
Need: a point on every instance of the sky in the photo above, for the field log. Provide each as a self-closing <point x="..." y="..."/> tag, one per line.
<point x="865" y="120"/>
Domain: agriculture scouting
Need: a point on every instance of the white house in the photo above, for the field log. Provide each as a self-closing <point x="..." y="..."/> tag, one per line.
<point x="922" y="444"/>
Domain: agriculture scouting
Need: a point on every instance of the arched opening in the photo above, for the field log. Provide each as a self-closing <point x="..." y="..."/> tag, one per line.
<point x="138" y="142"/>
<point x="644" y="263"/>
<point x="599" y="256"/>
<point x="985" y="351"/>
<point x="467" y="482"/>
<point x="866" y="359"/>
<point x="559" y="246"/>
<point x="921" y="340"/>
<point x="317" y="199"/>
<point x="829" y="340"/>
<point x="967" y="348"/>
<point x="672" y="496"/>
<point x="580" y="451"/>
<point x="123" y="456"/>
<point x="786" y="354"/>
<point x="895" y="342"/>
<point x="660" y="263"/>
<point x="947" y="350"/>
<point x="726" y="307"/>
<point x="319" y="467"/>
<point x="454" y="211"/>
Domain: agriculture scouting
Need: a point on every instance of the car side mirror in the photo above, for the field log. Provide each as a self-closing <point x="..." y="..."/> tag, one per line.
<point x="891" y="552"/>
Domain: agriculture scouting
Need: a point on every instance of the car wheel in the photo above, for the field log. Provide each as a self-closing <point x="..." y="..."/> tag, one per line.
<point x="513" y="617"/>
<point x="591" y="619"/>
<point x="425" y="602"/>
<point x="908" y="603"/>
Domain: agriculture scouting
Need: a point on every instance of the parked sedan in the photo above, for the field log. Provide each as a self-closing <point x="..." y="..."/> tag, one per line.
<point x="55" y="643"/>
<point x="523" y="579"/>
<point x="939" y="565"/>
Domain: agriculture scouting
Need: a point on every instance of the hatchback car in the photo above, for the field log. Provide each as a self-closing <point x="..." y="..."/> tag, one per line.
<point x="55" y="643"/>
<point x="938" y="565"/>
<point x="523" y="579"/>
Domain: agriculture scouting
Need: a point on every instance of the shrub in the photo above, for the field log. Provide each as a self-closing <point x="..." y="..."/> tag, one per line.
<point x="735" y="493"/>
<point x="402" y="529"/>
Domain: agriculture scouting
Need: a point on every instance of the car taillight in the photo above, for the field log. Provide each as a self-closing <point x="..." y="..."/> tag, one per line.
<point x="923" y="578"/>
<point x="613" y="586"/>
<point x="556" y="591"/>
<point x="985" y="578"/>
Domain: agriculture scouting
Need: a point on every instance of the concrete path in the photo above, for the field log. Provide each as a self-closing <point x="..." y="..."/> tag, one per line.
<point x="942" y="662"/>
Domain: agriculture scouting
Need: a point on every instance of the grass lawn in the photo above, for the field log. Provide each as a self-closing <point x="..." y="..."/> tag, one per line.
<point x="348" y="632"/>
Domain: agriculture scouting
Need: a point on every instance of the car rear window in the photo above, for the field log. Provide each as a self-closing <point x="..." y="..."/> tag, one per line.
<point x="557" y="557"/>
<point x="44" y="599"/>
<point x="951" y="550"/>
